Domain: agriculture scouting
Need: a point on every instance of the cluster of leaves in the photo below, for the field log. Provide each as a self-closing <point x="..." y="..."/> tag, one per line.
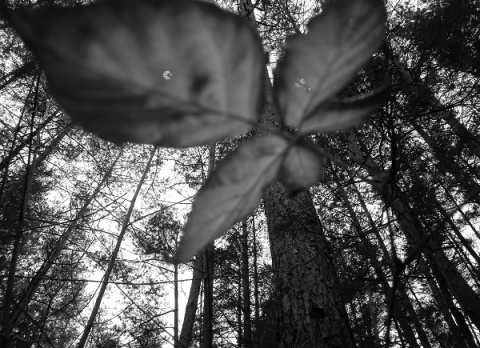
<point x="183" y="73"/>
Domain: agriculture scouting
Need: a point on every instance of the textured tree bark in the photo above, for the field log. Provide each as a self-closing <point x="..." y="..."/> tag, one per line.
<point x="310" y="310"/>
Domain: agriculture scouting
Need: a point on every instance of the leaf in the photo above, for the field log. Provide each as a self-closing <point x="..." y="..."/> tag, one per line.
<point x="317" y="65"/>
<point x="340" y="115"/>
<point x="232" y="192"/>
<point x="165" y="72"/>
<point x="302" y="168"/>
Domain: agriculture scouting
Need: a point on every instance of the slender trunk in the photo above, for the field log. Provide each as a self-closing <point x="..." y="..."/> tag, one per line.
<point x="192" y="303"/>
<point x="209" y="259"/>
<point x="208" y="297"/>
<point x="247" y="324"/>
<point x="108" y="272"/>
<point x="239" y="310"/>
<point x="202" y="269"/>
<point x="202" y="301"/>
<point x="175" y="314"/>
<point x="475" y="340"/>
<point x="255" y="277"/>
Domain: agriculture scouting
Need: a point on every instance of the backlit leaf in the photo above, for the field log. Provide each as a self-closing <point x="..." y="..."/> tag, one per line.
<point x="232" y="192"/>
<point x="338" y="115"/>
<point x="317" y="65"/>
<point x="301" y="168"/>
<point x="165" y="72"/>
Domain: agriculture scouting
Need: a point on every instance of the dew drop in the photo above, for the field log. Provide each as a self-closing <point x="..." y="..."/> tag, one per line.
<point x="167" y="74"/>
<point x="300" y="83"/>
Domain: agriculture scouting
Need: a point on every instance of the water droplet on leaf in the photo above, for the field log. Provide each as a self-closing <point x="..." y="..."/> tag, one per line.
<point x="167" y="75"/>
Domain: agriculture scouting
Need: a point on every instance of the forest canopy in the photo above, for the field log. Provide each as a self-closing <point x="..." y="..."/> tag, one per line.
<point x="331" y="149"/>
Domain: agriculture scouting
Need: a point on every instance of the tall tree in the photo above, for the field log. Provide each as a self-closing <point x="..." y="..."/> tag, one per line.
<point x="310" y="310"/>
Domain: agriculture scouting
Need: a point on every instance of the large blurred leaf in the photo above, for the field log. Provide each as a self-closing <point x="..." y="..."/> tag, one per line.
<point x="232" y="192"/>
<point x="336" y="115"/>
<point x="302" y="168"/>
<point x="166" y="72"/>
<point x="317" y="65"/>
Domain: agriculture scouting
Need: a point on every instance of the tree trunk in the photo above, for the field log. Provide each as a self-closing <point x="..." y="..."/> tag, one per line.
<point x="175" y="316"/>
<point x="239" y="309"/>
<point x="247" y="323"/>
<point x="192" y="303"/>
<point x="255" y="278"/>
<point x="310" y="310"/>
<point x="209" y="259"/>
